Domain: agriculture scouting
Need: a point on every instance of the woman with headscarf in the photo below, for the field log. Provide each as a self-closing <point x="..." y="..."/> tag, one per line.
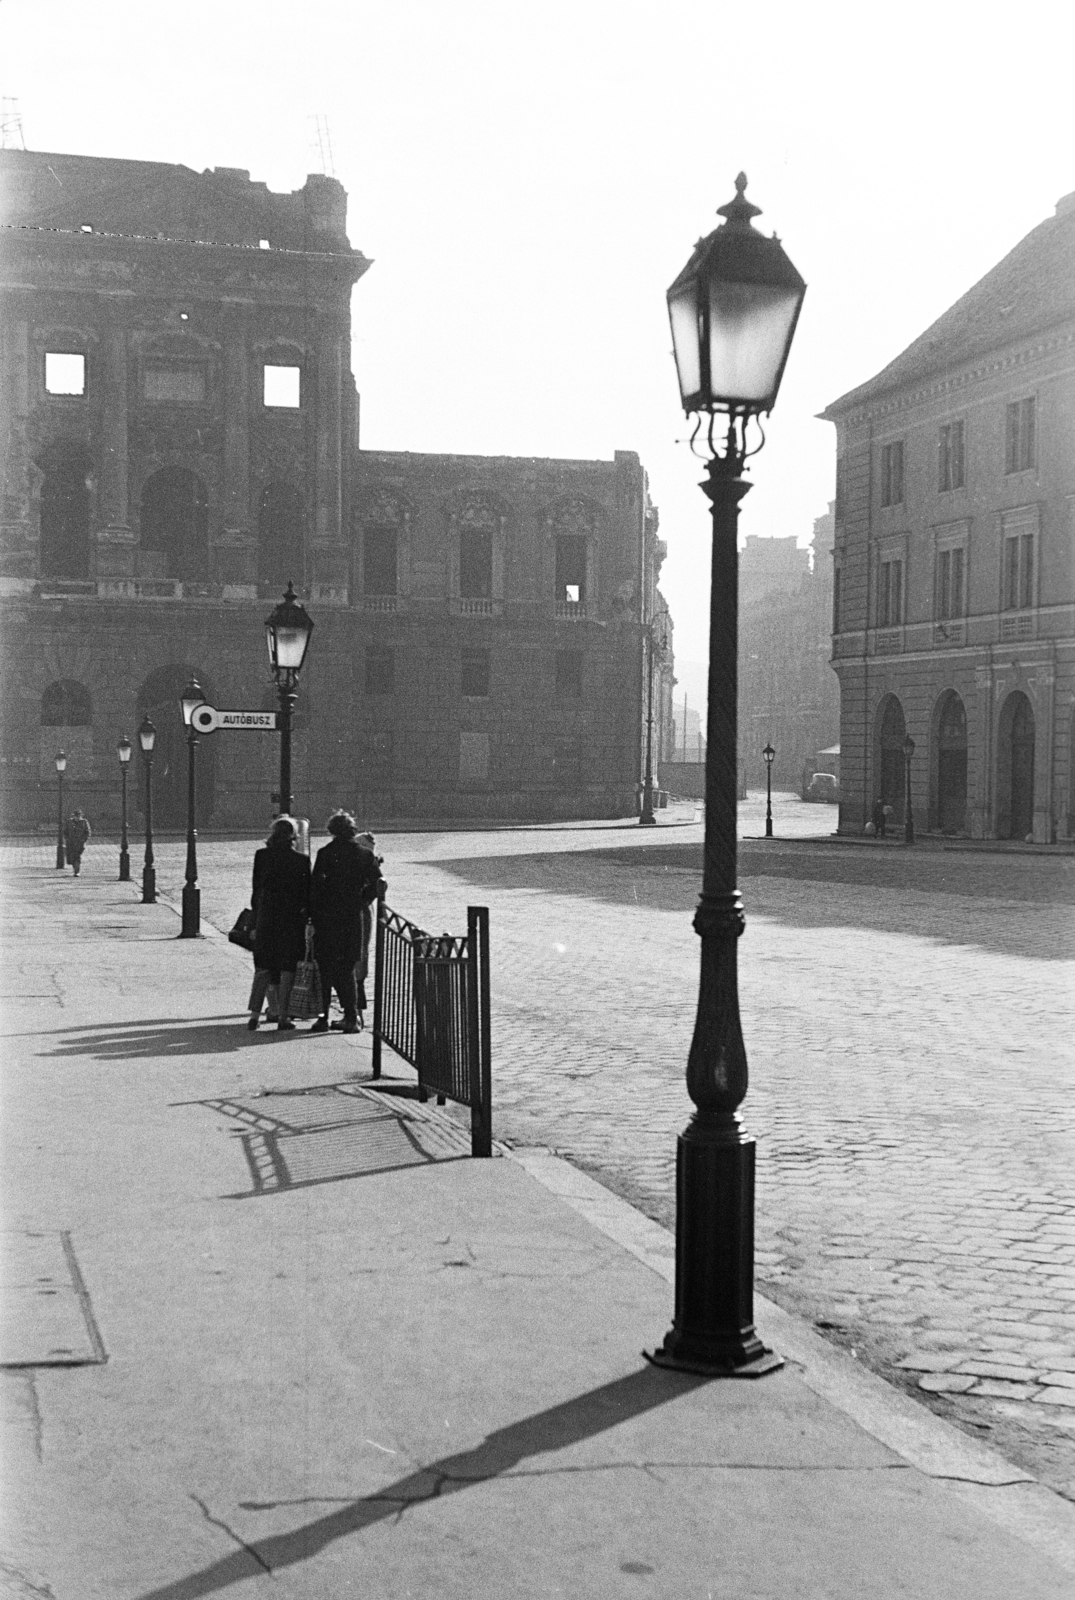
<point x="346" y="878"/>
<point x="281" y="905"/>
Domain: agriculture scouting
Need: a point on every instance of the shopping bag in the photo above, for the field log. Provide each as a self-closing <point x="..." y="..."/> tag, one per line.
<point x="243" y="932"/>
<point x="306" y="990"/>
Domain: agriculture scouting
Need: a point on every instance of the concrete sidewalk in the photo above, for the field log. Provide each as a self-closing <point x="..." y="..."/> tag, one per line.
<point x="281" y="1336"/>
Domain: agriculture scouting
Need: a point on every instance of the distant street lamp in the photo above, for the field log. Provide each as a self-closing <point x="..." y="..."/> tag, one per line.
<point x="769" y="753"/>
<point x="908" y="814"/>
<point x="189" y="701"/>
<point x="147" y="738"/>
<point x="61" y="768"/>
<point x="123" y="750"/>
<point x="733" y="311"/>
<point x="287" y="632"/>
<point x="656" y="639"/>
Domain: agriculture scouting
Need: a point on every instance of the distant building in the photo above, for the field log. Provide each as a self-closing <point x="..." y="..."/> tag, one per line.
<point x="180" y="438"/>
<point x="954" y="608"/>
<point x="788" y="693"/>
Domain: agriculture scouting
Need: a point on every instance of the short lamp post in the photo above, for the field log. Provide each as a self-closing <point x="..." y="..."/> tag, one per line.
<point x="190" y="928"/>
<point x="769" y="753"/>
<point x="287" y="633"/>
<point x="656" y="638"/>
<point x="733" y="311"/>
<point x="61" y="768"/>
<point x="123" y="750"/>
<point x="147" y="738"/>
<point x="908" y="814"/>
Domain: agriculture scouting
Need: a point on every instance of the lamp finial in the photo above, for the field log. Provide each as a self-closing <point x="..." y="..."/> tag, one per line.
<point x="739" y="211"/>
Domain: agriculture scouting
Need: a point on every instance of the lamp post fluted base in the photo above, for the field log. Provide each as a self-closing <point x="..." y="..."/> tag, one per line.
<point x="149" y="886"/>
<point x="713" y="1332"/>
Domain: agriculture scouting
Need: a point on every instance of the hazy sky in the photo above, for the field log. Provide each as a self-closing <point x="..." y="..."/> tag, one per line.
<point x="528" y="179"/>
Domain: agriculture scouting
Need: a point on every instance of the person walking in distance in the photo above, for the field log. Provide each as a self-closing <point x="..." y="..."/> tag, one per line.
<point x="76" y="836"/>
<point x="345" y="881"/>
<point x="281" y="903"/>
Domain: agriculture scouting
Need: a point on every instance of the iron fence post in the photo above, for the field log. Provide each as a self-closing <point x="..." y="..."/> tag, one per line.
<point x="378" y="985"/>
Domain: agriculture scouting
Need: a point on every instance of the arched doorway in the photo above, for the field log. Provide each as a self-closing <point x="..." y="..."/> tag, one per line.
<point x="65" y="519"/>
<point x="891" y="762"/>
<point x="159" y="698"/>
<point x="950" y="808"/>
<point x="281" y="522"/>
<point x="175" y="521"/>
<point x="1015" y="768"/>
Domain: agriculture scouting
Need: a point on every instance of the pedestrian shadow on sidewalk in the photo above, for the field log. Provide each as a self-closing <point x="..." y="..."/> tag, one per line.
<point x="295" y="1139"/>
<point x="583" y="1417"/>
<point x="163" y="1040"/>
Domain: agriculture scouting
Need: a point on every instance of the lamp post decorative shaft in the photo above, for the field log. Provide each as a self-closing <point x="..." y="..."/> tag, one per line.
<point x="733" y="311"/>
<point x="61" y="763"/>
<point x="124" y="751"/>
<point x="190" y="927"/>
<point x="908" y="813"/>
<point x="147" y="735"/>
<point x="769" y="753"/>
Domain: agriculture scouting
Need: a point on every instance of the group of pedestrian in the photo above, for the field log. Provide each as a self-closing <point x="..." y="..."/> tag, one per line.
<point x="336" y="898"/>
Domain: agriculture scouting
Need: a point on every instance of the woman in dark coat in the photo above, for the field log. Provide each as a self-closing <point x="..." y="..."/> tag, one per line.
<point x="281" y="905"/>
<point x="346" y="878"/>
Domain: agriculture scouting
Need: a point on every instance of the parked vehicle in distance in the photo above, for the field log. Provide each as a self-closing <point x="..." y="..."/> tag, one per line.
<point x="824" y="788"/>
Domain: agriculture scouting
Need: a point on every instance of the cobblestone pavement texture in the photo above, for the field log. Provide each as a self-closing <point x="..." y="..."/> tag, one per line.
<point x="908" y="1018"/>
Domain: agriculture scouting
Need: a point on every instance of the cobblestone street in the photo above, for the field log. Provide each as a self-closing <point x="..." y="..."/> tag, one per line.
<point x="908" y="1025"/>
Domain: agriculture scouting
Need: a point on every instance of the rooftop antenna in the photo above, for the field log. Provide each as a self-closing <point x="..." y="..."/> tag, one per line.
<point x="11" y="134"/>
<point x="321" y="143"/>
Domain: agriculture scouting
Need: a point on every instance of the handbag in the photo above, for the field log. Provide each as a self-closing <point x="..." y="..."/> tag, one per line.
<point x="243" y="932"/>
<point x="305" y="999"/>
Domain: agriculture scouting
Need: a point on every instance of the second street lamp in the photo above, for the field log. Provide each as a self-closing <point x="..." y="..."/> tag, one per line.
<point x="61" y="768"/>
<point x="733" y="311"/>
<point x="908" y="814"/>
<point x="769" y="753"/>
<point x="147" y="738"/>
<point x="189" y="701"/>
<point x="123" y="750"/>
<point x="287" y="633"/>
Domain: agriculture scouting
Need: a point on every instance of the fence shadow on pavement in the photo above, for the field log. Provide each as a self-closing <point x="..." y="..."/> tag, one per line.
<point x="573" y="1421"/>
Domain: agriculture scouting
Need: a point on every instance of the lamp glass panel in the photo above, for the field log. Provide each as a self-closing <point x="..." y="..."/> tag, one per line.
<point x="123" y="750"/>
<point x="749" y="328"/>
<point x="61" y="763"/>
<point x="683" y="314"/>
<point x="190" y="703"/>
<point x="290" y="647"/>
<point x="147" y="738"/>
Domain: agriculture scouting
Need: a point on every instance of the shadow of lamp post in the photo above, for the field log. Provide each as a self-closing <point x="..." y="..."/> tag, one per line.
<point x="147" y="738"/>
<point x="733" y="311"/>
<point x="908" y="815"/>
<point x="189" y="701"/>
<point x="123" y="750"/>
<point x="770" y="754"/>
<point x="287" y="632"/>
<point x="61" y="768"/>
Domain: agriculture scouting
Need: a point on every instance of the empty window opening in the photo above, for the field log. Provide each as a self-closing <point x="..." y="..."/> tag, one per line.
<point x="281" y="526"/>
<point x="569" y="673"/>
<point x="175" y="522"/>
<point x="890" y="594"/>
<point x="571" y="568"/>
<point x="65" y="372"/>
<point x="263" y="244"/>
<point x="65" y="522"/>
<point x="952" y="565"/>
<point x="66" y="704"/>
<point x="1020" y="441"/>
<point x="283" y="386"/>
<point x="476" y="564"/>
<point x="892" y="474"/>
<point x="380" y="561"/>
<point x="86" y="227"/>
<point x="380" y="670"/>
<point x="475" y="676"/>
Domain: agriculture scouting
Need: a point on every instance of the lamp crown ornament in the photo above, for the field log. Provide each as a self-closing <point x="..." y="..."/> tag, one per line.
<point x="739" y="211"/>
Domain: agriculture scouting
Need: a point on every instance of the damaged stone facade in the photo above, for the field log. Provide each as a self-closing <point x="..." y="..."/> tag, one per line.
<point x="180" y="438"/>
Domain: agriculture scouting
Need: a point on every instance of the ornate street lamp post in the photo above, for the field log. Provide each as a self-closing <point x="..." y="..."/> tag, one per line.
<point x="189" y="701"/>
<point x="769" y="753"/>
<point x="287" y="632"/>
<point x="61" y="768"/>
<point x="147" y="738"/>
<point x="733" y="311"/>
<point x="908" y="814"/>
<point x="123" y="750"/>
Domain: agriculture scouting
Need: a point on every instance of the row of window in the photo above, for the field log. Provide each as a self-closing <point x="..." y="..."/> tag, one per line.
<point x="475" y="672"/>
<point x="380" y="564"/>
<point x="1018" y="580"/>
<point x="1020" y="453"/>
<point x="174" y="382"/>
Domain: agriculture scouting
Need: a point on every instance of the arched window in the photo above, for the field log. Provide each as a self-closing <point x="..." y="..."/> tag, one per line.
<point x="65" y="520"/>
<point x="66" y="704"/>
<point x="281" y="527"/>
<point x="175" y="521"/>
<point x="950" y="805"/>
<point x="891" y="763"/>
<point x="383" y="522"/>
